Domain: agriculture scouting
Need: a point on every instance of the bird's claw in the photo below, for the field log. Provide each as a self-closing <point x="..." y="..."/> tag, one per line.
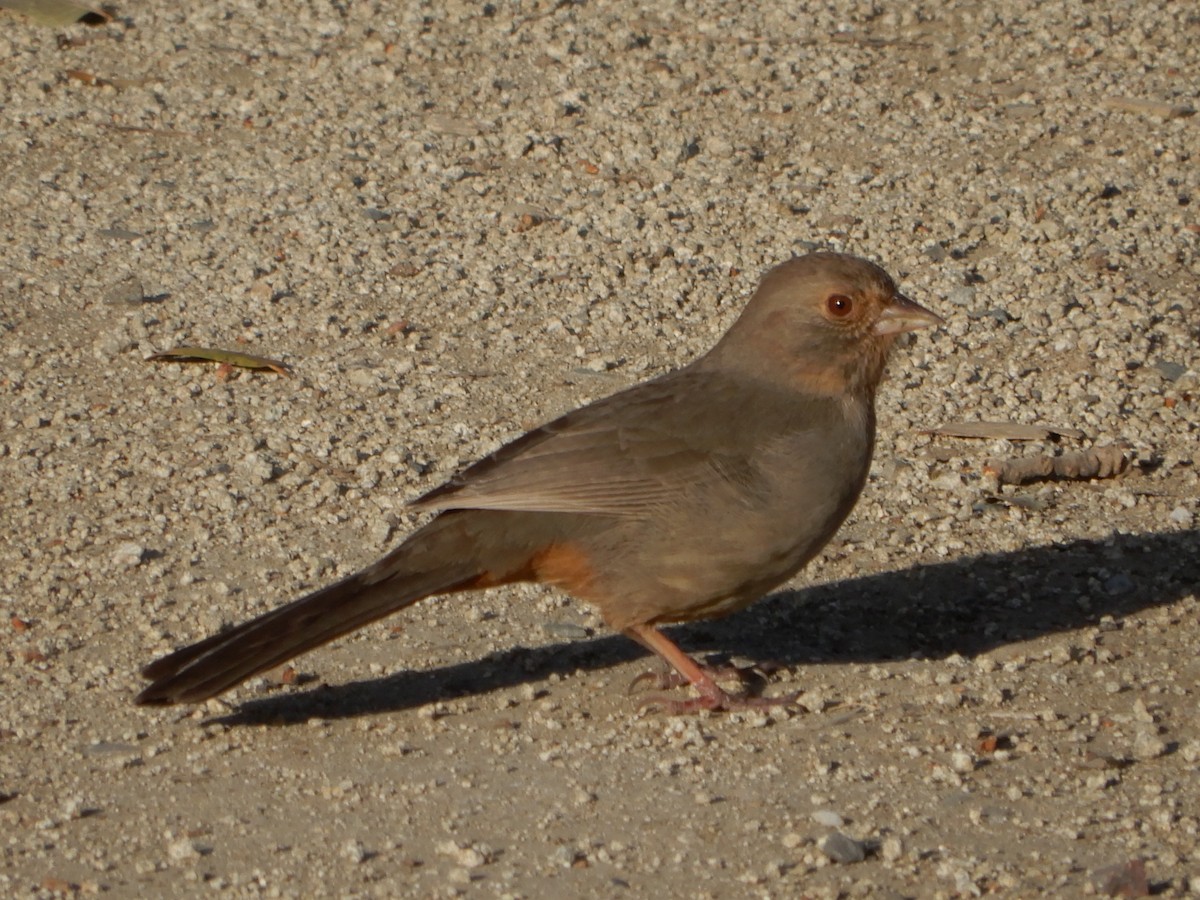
<point x="709" y="694"/>
<point x="655" y="680"/>
<point x="669" y="680"/>
<point x="714" y="701"/>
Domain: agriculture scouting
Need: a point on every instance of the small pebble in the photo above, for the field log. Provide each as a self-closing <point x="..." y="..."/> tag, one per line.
<point x="962" y="761"/>
<point x="182" y="850"/>
<point x="842" y="849"/>
<point x="564" y="856"/>
<point x="828" y="817"/>
<point x="128" y="554"/>
<point x="566" y="631"/>
<point x="1148" y="746"/>
<point x="892" y="848"/>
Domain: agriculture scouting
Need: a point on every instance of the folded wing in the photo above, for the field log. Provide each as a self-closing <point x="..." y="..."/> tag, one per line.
<point x="624" y="455"/>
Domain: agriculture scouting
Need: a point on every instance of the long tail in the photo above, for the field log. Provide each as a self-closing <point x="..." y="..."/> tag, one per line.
<point x="427" y="563"/>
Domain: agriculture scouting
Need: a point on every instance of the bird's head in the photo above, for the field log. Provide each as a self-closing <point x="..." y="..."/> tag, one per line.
<point x="824" y="323"/>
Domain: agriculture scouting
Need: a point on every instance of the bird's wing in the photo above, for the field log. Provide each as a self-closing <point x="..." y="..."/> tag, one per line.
<point x="622" y="455"/>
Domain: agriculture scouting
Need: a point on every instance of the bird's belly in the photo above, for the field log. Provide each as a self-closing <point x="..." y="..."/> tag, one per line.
<point x="728" y="542"/>
<point x="677" y="583"/>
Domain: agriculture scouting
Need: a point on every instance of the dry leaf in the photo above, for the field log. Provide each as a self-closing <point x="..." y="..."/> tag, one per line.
<point x="56" y="13"/>
<point x="86" y="77"/>
<point x="225" y="357"/>
<point x="1008" y="431"/>
<point x="1157" y="108"/>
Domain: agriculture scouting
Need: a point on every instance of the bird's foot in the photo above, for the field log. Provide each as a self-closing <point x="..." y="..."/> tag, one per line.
<point x="753" y="676"/>
<point x="714" y="700"/>
<point x="710" y="695"/>
<point x="702" y="678"/>
<point x="657" y="680"/>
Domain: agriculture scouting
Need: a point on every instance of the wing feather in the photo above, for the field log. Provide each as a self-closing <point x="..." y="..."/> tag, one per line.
<point x="623" y="455"/>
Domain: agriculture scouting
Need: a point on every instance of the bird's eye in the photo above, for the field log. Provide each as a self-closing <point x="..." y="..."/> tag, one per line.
<point x="838" y="305"/>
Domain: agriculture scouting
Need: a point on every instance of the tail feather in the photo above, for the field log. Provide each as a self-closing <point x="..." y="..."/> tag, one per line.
<point x="225" y="660"/>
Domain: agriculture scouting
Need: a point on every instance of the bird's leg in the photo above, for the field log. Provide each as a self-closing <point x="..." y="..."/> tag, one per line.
<point x="712" y="696"/>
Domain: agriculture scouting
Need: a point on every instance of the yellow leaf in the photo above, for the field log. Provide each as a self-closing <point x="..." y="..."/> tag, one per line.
<point x="56" y="13"/>
<point x="225" y="357"/>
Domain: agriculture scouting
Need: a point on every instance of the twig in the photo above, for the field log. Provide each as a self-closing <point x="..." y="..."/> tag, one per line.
<point x="1098" y="462"/>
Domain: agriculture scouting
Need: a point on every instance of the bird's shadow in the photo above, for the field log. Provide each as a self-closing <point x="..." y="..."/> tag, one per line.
<point x="966" y="606"/>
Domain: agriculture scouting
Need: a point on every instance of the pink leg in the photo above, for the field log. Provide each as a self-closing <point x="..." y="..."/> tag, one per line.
<point x="711" y="695"/>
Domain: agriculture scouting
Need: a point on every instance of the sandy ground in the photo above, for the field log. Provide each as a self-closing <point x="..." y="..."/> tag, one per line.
<point x="454" y="221"/>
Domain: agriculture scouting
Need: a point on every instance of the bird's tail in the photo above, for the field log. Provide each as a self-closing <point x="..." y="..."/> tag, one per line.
<point x="430" y="562"/>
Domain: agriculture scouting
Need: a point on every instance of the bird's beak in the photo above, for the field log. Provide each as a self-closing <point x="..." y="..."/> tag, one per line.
<point x="903" y="315"/>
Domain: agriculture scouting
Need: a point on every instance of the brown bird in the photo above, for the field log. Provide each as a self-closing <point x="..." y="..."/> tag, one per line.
<point x="685" y="497"/>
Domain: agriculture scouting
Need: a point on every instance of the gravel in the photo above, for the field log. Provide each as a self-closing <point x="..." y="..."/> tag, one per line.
<point x="454" y="221"/>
